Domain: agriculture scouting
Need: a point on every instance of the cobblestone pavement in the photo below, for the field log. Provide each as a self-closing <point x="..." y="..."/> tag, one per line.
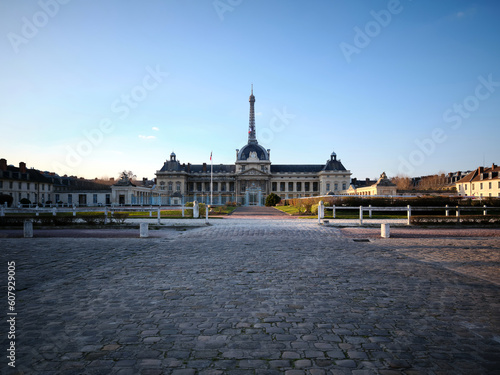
<point x="270" y="297"/>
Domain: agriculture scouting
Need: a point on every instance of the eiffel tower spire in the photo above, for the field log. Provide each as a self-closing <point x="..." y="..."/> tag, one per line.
<point x="252" y="138"/>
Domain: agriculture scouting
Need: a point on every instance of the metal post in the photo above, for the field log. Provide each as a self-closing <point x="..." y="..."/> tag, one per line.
<point x="360" y="215"/>
<point x="334" y="211"/>
<point x="74" y="210"/>
<point x="159" y="216"/>
<point x="206" y="214"/>
<point x="447" y="211"/>
<point x="370" y="211"/>
<point x="409" y="215"/>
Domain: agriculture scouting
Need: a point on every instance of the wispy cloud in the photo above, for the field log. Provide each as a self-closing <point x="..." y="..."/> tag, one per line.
<point x="155" y="128"/>
<point x="465" y="13"/>
<point x="147" y="136"/>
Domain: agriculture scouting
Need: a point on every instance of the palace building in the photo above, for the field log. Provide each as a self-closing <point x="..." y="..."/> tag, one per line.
<point x="250" y="179"/>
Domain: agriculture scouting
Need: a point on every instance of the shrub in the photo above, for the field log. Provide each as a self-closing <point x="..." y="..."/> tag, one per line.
<point x="5" y="198"/>
<point x="120" y="217"/>
<point x="93" y="219"/>
<point x="25" y="202"/>
<point x="272" y="200"/>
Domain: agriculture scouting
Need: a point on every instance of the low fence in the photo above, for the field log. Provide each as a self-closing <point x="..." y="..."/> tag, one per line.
<point x="457" y="211"/>
<point x="106" y="212"/>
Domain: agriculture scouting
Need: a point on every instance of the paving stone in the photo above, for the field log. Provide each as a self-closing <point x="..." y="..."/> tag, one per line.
<point x="262" y="297"/>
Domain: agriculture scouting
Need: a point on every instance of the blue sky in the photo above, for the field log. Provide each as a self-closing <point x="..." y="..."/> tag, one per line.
<point x="91" y="88"/>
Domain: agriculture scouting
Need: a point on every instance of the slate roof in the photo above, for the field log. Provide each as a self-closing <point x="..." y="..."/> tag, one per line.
<point x="482" y="174"/>
<point x="32" y="175"/>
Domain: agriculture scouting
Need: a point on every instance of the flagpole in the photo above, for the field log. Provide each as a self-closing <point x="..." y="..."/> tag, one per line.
<point x="211" y="177"/>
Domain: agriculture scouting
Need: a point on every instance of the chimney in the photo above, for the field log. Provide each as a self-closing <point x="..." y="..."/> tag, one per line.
<point x="481" y="169"/>
<point x="493" y="166"/>
<point x="22" y="167"/>
<point x="189" y="168"/>
<point x="204" y="167"/>
<point x="145" y="180"/>
<point x="3" y="164"/>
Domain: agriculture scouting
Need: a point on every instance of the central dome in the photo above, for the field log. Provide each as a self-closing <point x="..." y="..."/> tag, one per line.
<point x="253" y="150"/>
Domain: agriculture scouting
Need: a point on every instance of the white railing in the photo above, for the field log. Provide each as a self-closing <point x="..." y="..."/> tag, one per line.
<point x="103" y="210"/>
<point x="408" y="209"/>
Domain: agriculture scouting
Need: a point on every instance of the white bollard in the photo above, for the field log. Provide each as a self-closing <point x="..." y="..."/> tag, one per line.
<point x="370" y="211"/>
<point x="321" y="211"/>
<point x="207" y="208"/>
<point x="183" y="210"/>
<point x="105" y="215"/>
<point x="196" y="210"/>
<point x="360" y="215"/>
<point x="334" y="211"/>
<point x="159" y="216"/>
<point x="409" y="215"/>
<point x="54" y="211"/>
<point x="385" y="231"/>
<point x="28" y="228"/>
<point x="447" y="211"/>
<point x="485" y="212"/>
<point x="144" y="230"/>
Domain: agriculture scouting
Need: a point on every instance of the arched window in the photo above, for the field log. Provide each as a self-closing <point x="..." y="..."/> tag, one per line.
<point x="162" y="185"/>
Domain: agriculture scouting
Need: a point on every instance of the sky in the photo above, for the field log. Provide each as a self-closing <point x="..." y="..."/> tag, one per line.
<point x="92" y="88"/>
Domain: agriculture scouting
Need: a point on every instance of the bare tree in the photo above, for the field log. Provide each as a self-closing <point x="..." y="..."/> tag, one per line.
<point x="403" y="182"/>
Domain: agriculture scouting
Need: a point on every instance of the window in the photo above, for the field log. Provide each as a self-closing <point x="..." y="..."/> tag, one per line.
<point x="489" y="185"/>
<point x="481" y="186"/>
<point x="1" y="184"/>
<point x="275" y="186"/>
<point x="170" y="186"/>
<point x="336" y="187"/>
<point x="162" y="185"/>
<point x="11" y="184"/>
<point x="28" y="185"/>
<point x="178" y="186"/>
<point x="327" y="186"/>
<point x="20" y="185"/>
<point x="57" y="198"/>
<point x="198" y="186"/>
<point x="472" y="187"/>
<point x="216" y="186"/>
<point x="465" y="187"/>
<point x="222" y="186"/>
<point x="290" y="186"/>
<point x="242" y="168"/>
<point x="315" y="186"/>
<point x="231" y="186"/>
<point x="43" y="186"/>
<point x="108" y="199"/>
<point x="94" y="199"/>
<point x="70" y="198"/>
<point x="282" y="186"/>
<point x="344" y="186"/>
<point x="299" y="186"/>
<point x="306" y="186"/>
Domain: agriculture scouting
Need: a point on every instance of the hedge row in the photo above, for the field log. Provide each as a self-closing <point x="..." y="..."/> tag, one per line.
<point x="348" y="201"/>
<point x="118" y="218"/>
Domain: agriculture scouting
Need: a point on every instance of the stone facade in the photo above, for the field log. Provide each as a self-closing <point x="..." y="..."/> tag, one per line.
<point x="251" y="178"/>
<point x="23" y="183"/>
<point x="382" y="187"/>
<point x="482" y="182"/>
